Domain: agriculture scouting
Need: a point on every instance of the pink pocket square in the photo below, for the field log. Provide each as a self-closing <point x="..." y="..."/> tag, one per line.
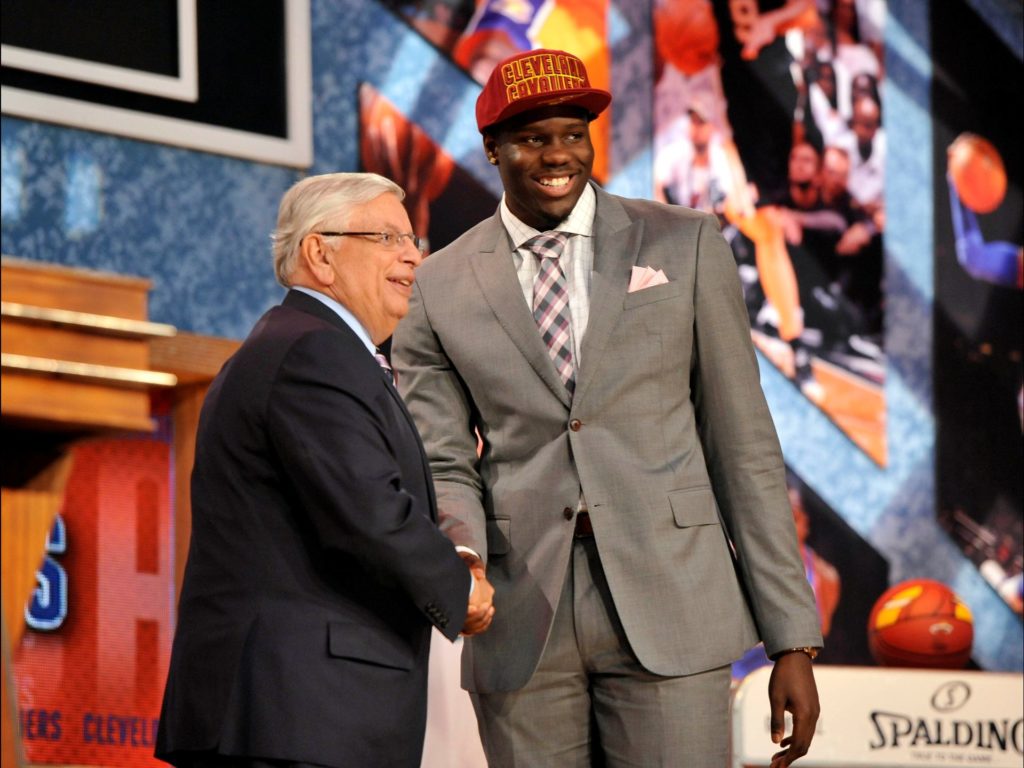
<point x="645" y="277"/>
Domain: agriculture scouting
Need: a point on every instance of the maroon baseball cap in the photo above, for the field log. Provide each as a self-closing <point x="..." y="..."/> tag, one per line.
<point x="535" y="79"/>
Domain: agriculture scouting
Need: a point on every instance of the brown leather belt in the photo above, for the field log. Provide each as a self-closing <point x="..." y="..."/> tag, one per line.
<point x="583" y="526"/>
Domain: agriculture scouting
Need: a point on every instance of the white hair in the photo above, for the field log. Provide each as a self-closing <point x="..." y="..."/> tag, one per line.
<point x="313" y="201"/>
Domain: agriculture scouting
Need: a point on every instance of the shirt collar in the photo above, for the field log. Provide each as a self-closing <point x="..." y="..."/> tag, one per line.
<point x="579" y="222"/>
<point x="342" y="312"/>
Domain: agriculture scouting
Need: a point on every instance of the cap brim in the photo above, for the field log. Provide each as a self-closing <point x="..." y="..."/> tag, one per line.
<point x="594" y="100"/>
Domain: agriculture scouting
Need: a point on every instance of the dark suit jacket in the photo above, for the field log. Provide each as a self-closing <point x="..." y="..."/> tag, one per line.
<point x="315" y="569"/>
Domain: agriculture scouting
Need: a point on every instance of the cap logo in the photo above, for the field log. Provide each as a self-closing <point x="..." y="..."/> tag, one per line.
<point x="533" y="80"/>
<point x="543" y="73"/>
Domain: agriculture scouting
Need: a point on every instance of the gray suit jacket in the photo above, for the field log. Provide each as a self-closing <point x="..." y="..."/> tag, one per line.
<point x="668" y="436"/>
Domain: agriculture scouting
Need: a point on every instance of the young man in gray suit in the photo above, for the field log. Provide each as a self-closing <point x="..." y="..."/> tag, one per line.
<point x="629" y="500"/>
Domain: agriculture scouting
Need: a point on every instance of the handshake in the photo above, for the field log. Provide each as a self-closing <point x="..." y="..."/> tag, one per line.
<point x="481" y="601"/>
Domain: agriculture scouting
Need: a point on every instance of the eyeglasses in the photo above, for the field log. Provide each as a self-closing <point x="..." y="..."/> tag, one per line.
<point x="392" y="241"/>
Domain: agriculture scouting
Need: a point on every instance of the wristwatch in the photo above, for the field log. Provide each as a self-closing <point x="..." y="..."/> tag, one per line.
<point x="811" y="652"/>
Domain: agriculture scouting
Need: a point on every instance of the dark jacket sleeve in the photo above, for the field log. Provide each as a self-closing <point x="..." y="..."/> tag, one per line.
<point x="356" y="467"/>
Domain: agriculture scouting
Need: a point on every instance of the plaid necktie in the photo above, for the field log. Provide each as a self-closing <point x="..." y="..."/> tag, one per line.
<point x="383" y="362"/>
<point x="551" y="302"/>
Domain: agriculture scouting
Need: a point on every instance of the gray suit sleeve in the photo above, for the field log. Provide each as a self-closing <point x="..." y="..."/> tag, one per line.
<point x="443" y="412"/>
<point x="743" y="455"/>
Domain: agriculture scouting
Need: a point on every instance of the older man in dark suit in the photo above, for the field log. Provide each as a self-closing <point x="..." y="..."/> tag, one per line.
<point x="316" y="569"/>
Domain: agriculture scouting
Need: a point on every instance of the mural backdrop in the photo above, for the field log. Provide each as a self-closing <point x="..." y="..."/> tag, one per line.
<point x="889" y="337"/>
<point x="769" y="114"/>
<point x="978" y="311"/>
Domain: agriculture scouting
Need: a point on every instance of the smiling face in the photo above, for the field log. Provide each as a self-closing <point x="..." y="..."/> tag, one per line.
<point x="371" y="280"/>
<point x="545" y="159"/>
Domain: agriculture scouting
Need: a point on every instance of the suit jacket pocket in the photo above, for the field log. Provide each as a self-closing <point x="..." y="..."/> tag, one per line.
<point x="499" y="540"/>
<point x="693" y="506"/>
<point x="357" y="642"/>
<point x="650" y="295"/>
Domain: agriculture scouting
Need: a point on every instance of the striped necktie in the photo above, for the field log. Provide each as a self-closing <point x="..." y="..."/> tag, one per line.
<point x="383" y="362"/>
<point x="551" y="303"/>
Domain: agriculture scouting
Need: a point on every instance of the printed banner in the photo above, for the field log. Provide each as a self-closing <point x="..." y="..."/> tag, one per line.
<point x="90" y="668"/>
<point x="979" y="305"/>
<point x="768" y="113"/>
<point x="894" y="718"/>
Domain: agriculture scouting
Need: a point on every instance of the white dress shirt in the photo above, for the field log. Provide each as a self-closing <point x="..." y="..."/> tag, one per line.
<point x="343" y="312"/>
<point x="577" y="261"/>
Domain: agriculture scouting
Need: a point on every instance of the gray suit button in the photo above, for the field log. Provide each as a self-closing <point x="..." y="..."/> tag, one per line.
<point x="567" y="513"/>
<point x="575" y="425"/>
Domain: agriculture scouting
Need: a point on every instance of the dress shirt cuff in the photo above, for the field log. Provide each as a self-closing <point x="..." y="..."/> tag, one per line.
<point x="460" y="549"/>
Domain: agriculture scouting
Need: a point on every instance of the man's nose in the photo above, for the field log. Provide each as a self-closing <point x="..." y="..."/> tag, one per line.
<point x="556" y="153"/>
<point x="411" y="254"/>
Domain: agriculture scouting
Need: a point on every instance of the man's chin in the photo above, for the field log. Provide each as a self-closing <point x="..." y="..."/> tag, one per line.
<point x="556" y="210"/>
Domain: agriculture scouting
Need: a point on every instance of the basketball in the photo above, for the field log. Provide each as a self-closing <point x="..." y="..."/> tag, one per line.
<point x="686" y="33"/>
<point x="978" y="172"/>
<point x="920" y="623"/>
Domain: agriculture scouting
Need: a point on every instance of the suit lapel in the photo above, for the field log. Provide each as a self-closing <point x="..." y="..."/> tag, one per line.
<point x="495" y="273"/>
<point x="301" y="301"/>
<point x="427" y="475"/>
<point x="617" y="241"/>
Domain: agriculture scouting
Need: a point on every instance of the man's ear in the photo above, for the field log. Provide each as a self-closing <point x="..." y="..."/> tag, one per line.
<point x="313" y="255"/>
<point x="491" y="148"/>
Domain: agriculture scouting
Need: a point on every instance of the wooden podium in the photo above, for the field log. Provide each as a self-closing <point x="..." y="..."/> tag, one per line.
<point x="75" y="362"/>
<point x="76" y="349"/>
